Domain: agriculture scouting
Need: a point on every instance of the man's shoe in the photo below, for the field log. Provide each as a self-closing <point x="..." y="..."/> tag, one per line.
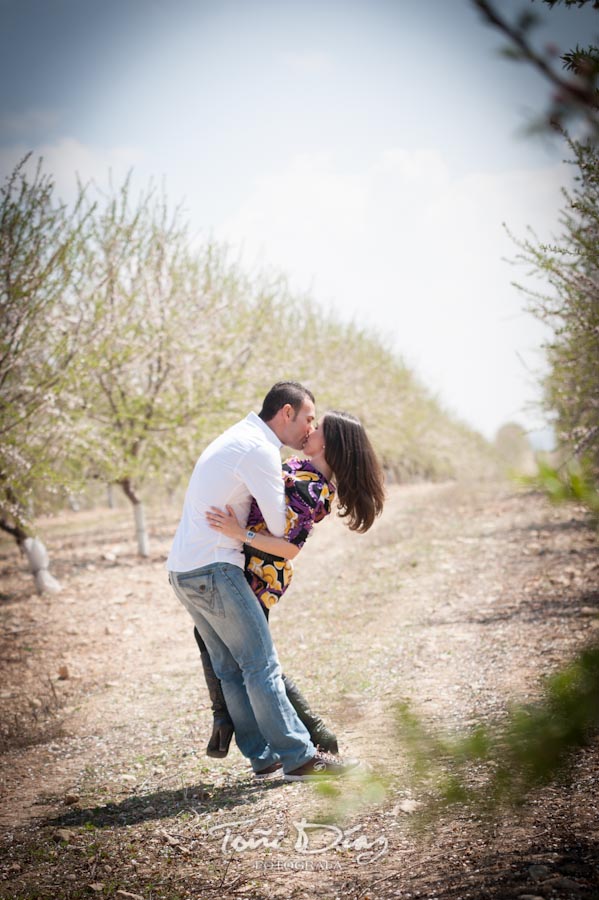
<point x="274" y="769"/>
<point x="322" y="767"/>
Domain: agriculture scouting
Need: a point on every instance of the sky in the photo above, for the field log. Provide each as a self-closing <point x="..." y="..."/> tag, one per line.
<point x="371" y="150"/>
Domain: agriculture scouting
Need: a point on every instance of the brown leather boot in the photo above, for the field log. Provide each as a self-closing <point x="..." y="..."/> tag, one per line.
<point x="321" y="736"/>
<point x="222" y="724"/>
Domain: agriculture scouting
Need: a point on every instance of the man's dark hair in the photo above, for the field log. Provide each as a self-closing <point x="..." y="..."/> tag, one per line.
<point x="280" y="394"/>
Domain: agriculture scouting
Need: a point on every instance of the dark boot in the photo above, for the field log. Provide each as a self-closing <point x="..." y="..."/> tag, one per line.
<point x="320" y="735"/>
<point x="222" y="724"/>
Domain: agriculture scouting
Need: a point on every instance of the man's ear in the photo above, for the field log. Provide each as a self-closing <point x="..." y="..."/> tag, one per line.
<point x="288" y="411"/>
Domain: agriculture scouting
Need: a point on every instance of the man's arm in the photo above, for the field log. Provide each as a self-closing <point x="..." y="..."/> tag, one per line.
<point x="226" y="522"/>
<point x="262" y="475"/>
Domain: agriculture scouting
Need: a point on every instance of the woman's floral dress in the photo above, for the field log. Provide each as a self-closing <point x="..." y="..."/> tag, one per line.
<point x="309" y="495"/>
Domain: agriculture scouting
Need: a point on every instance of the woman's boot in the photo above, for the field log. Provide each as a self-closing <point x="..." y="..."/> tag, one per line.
<point x="320" y="735"/>
<point x="222" y="724"/>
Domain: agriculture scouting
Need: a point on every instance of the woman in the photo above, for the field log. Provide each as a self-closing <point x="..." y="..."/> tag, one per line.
<point x="341" y="463"/>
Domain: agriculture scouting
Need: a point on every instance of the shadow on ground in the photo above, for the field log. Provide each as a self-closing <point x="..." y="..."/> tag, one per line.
<point x="167" y="804"/>
<point x="538" y="607"/>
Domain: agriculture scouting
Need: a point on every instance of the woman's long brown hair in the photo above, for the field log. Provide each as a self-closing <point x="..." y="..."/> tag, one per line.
<point x="357" y="472"/>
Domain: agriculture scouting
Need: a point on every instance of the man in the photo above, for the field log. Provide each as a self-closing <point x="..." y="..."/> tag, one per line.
<point x="206" y="573"/>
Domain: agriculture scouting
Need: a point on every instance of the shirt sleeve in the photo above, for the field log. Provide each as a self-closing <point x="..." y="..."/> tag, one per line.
<point x="261" y="473"/>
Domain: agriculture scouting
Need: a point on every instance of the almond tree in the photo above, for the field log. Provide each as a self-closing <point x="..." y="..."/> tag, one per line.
<point x="40" y="331"/>
<point x="569" y="302"/>
<point x="171" y="333"/>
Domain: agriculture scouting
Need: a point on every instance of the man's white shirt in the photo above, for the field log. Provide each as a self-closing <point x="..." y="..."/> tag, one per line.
<point x="242" y="463"/>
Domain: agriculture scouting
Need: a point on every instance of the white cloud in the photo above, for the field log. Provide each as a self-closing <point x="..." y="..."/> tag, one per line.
<point x="287" y="217"/>
<point x="69" y="159"/>
<point x="405" y="246"/>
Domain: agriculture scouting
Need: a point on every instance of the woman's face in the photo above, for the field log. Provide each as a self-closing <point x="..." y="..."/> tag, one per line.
<point x="315" y="443"/>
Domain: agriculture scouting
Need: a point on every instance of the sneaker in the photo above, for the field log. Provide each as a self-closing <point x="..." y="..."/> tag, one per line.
<point x="321" y="767"/>
<point x="274" y="769"/>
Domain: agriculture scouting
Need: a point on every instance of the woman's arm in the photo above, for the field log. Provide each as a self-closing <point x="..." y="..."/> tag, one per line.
<point x="228" y="524"/>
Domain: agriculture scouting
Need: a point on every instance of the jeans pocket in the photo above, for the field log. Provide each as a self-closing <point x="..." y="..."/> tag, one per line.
<point x="200" y="592"/>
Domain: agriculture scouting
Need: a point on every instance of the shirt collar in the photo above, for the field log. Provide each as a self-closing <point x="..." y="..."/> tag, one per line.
<point x="254" y="419"/>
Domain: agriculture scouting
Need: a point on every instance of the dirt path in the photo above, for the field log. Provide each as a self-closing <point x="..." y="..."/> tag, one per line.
<point x="458" y="599"/>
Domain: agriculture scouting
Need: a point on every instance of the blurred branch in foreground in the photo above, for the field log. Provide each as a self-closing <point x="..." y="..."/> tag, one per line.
<point x="574" y="482"/>
<point x="496" y="766"/>
<point x="574" y="83"/>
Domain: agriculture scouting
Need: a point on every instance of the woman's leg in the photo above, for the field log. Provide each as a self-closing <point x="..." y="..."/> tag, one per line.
<point x="222" y="728"/>
<point x="222" y="724"/>
<point x="321" y="736"/>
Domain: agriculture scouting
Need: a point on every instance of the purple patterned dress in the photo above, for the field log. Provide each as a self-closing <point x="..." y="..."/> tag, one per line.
<point x="309" y="495"/>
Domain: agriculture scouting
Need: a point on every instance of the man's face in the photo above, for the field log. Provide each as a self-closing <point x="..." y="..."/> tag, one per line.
<point x="299" y="426"/>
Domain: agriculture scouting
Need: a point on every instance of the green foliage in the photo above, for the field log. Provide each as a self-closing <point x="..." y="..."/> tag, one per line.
<point x="40" y="336"/>
<point x="570" y="306"/>
<point x="574" y="482"/>
<point x="499" y="765"/>
<point x="351" y="795"/>
<point x="583" y="61"/>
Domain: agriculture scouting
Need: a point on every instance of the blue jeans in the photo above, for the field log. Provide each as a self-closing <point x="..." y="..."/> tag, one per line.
<point x="229" y="618"/>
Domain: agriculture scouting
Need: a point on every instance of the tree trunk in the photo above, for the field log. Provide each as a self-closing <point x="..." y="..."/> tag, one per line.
<point x="143" y="546"/>
<point x="39" y="561"/>
<point x="37" y="557"/>
<point x="16" y="531"/>
<point x="110" y="496"/>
